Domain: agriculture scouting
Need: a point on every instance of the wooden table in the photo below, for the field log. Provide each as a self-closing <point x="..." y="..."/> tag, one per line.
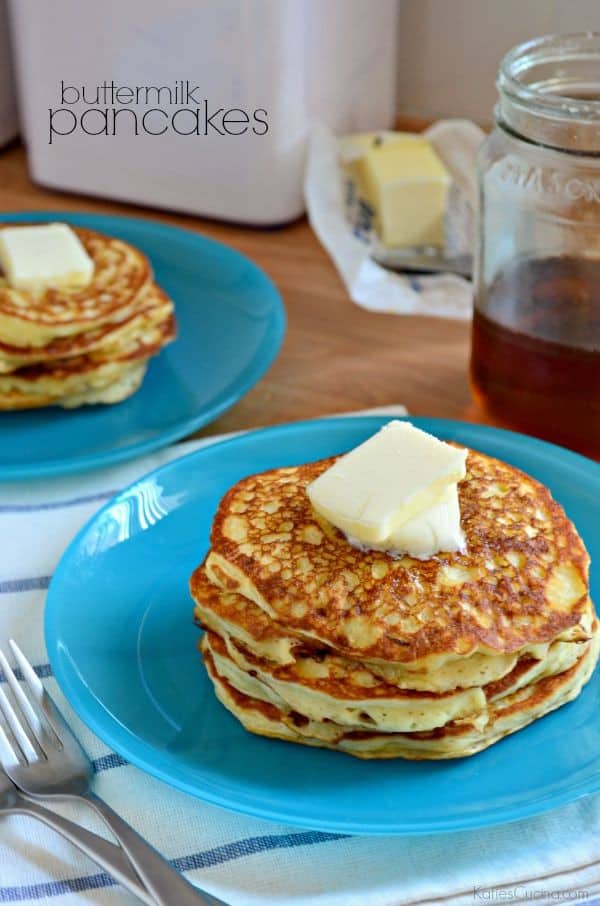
<point x="336" y="356"/>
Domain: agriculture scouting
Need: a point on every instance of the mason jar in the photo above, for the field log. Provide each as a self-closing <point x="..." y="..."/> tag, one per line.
<point x="535" y="360"/>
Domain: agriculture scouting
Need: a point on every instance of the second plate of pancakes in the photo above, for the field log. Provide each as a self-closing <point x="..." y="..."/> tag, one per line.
<point x="138" y="635"/>
<point x="230" y="324"/>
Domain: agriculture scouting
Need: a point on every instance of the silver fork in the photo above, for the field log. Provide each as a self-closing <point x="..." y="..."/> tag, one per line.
<point x="46" y="760"/>
<point x="110" y="857"/>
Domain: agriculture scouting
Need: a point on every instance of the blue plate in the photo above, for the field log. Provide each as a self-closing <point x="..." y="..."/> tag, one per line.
<point x="231" y="323"/>
<point x="130" y="668"/>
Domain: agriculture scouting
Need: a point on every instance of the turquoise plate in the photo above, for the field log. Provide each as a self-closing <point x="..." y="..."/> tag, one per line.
<point x="123" y="647"/>
<point x="231" y="324"/>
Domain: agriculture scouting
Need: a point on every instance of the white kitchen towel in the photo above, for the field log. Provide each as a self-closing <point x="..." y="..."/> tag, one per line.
<point x="245" y="861"/>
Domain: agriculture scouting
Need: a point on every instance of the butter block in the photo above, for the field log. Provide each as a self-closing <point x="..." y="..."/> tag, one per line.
<point x="435" y="530"/>
<point x="353" y="150"/>
<point x="42" y="255"/>
<point x="407" y="185"/>
<point x="392" y="477"/>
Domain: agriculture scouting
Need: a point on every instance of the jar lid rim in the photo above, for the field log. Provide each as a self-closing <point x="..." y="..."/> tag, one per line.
<point x="576" y="46"/>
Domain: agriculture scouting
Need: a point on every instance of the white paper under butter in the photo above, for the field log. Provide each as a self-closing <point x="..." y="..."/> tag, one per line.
<point x="42" y="255"/>
<point x="393" y="477"/>
<point x="368" y="284"/>
<point x="437" y="529"/>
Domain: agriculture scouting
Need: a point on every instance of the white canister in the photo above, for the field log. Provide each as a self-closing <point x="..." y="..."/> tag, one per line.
<point x="283" y="64"/>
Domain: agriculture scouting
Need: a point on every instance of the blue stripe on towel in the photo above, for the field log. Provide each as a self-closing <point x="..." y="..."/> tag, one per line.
<point x="210" y="857"/>
<point x="42" y="670"/>
<point x="33" y="583"/>
<point x="55" y="505"/>
<point x="108" y="762"/>
<point x="54" y="888"/>
<point x="250" y="846"/>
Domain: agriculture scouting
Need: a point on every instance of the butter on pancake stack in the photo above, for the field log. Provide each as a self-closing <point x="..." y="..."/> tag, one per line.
<point x="311" y="640"/>
<point x="69" y="346"/>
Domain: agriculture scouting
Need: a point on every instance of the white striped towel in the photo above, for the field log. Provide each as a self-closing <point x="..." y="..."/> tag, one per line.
<point x="245" y="861"/>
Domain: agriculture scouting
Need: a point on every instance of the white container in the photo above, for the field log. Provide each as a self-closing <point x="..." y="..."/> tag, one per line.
<point x="299" y="60"/>
<point x="9" y="126"/>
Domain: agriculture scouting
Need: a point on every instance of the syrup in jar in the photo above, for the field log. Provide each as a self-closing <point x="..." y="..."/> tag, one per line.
<point x="535" y="360"/>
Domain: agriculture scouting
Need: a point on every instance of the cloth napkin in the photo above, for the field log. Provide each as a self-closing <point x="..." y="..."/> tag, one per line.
<point x="245" y="861"/>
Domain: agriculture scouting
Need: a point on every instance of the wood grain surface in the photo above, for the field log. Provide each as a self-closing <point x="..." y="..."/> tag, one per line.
<point x="336" y="356"/>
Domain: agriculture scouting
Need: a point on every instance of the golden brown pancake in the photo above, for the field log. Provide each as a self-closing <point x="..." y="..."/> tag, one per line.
<point x="234" y="617"/>
<point x="155" y="308"/>
<point x="457" y="738"/>
<point x="242" y="624"/>
<point x="87" y="378"/>
<point x="36" y="318"/>
<point x="70" y="347"/>
<point x="522" y="580"/>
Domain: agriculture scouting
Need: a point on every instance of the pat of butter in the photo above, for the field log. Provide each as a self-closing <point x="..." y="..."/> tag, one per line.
<point x="437" y="529"/>
<point x="33" y="257"/>
<point x="374" y="490"/>
<point x="406" y="184"/>
<point x="352" y="152"/>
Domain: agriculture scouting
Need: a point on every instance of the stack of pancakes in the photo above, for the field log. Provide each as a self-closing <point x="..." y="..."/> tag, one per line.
<point x="311" y="640"/>
<point x="69" y="347"/>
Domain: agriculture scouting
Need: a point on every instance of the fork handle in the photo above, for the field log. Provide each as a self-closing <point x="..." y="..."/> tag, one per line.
<point x="108" y="856"/>
<point x="166" y="885"/>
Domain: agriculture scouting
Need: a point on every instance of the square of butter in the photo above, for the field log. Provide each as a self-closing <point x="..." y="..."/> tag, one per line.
<point x="353" y="150"/>
<point x="42" y="255"/>
<point x="407" y="186"/>
<point x="392" y="477"/>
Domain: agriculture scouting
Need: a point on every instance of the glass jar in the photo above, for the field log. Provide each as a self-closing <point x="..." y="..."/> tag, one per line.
<point x="535" y="361"/>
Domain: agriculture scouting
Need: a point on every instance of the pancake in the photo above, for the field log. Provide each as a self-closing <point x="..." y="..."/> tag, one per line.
<point x="36" y="318"/>
<point x="155" y="308"/>
<point x="101" y="376"/>
<point x="233" y="616"/>
<point x="522" y="580"/>
<point x="124" y="386"/>
<point x="354" y="698"/>
<point x="347" y="696"/>
<point x="110" y="382"/>
<point x="456" y="739"/>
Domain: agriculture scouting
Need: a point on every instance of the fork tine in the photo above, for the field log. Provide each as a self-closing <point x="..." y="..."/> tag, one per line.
<point x="8" y="756"/>
<point x="54" y="720"/>
<point x="21" y="699"/>
<point x="29" y="674"/>
<point x="15" y="726"/>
